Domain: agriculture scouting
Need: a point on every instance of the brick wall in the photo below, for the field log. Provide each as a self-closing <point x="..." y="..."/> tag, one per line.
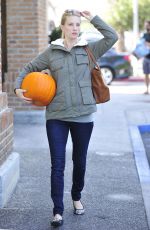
<point x="27" y="37"/>
<point x="6" y="128"/>
<point x="0" y="51"/>
<point x="6" y="121"/>
<point x="42" y="24"/>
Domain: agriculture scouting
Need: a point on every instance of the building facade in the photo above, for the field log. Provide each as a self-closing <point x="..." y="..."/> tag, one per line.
<point x="27" y="36"/>
<point x="24" y="35"/>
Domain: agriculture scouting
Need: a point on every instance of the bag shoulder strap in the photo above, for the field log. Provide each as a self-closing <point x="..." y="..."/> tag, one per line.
<point x="91" y="56"/>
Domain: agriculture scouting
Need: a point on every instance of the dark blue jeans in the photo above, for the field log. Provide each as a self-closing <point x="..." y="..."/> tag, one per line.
<point x="57" y="133"/>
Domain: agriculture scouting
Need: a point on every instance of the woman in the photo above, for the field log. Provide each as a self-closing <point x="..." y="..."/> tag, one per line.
<point x="146" y="61"/>
<point x="73" y="106"/>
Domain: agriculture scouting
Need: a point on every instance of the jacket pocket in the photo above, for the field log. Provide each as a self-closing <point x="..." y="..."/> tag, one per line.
<point x="58" y="103"/>
<point x="86" y="92"/>
<point x="82" y="59"/>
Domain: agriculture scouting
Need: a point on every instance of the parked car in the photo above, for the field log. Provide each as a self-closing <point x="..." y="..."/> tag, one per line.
<point x="114" y="65"/>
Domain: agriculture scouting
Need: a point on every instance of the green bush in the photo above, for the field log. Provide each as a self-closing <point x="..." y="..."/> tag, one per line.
<point x="56" y="33"/>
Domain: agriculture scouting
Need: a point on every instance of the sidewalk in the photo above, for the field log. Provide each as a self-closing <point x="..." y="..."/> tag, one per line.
<point x="112" y="195"/>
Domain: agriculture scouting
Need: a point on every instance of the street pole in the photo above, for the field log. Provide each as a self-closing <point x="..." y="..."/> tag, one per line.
<point x="135" y="20"/>
<point x="135" y="34"/>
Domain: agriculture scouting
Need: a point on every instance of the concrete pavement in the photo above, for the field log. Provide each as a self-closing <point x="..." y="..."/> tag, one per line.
<point x="112" y="195"/>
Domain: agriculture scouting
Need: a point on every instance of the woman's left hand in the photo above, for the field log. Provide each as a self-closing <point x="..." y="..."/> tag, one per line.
<point x="46" y="71"/>
<point x="87" y="14"/>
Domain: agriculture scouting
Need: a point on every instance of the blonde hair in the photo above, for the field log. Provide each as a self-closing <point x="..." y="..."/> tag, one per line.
<point x="65" y="15"/>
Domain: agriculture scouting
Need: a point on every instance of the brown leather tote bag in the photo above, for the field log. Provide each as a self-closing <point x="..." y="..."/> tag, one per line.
<point x="100" y="90"/>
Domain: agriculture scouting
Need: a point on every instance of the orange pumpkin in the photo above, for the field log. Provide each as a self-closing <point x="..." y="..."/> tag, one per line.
<point x="41" y="88"/>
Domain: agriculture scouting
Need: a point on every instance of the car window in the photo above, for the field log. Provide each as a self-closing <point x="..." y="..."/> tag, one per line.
<point x="110" y="52"/>
<point x="91" y="36"/>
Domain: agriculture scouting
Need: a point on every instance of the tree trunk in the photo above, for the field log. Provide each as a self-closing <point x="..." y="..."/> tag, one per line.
<point x="121" y="43"/>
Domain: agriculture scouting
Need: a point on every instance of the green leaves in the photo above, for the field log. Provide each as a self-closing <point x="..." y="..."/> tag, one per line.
<point x="144" y="12"/>
<point x="121" y="14"/>
<point x="56" y="33"/>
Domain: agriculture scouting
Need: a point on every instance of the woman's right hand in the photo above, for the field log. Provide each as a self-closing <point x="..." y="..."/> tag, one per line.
<point x="19" y="93"/>
<point x="86" y="14"/>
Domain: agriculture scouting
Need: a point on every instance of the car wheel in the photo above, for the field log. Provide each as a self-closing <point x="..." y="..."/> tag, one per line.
<point x="107" y="74"/>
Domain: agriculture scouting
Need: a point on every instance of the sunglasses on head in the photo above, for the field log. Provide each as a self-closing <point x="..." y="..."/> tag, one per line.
<point x="73" y="12"/>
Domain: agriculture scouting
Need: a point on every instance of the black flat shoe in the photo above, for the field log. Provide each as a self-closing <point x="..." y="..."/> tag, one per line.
<point x="56" y="222"/>
<point x="78" y="211"/>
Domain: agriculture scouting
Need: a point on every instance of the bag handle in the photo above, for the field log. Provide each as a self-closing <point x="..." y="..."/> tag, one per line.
<point x="91" y="56"/>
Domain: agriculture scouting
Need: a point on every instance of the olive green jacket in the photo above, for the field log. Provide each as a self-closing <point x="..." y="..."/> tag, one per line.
<point x="71" y="71"/>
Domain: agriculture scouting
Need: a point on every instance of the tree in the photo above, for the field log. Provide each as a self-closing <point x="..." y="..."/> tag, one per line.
<point x="144" y="12"/>
<point x="56" y="33"/>
<point x="121" y="16"/>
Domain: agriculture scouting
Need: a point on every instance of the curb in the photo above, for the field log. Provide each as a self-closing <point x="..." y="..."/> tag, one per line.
<point x="9" y="176"/>
<point x="142" y="164"/>
<point x="144" y="128"/>
<point x="131" y="79"/>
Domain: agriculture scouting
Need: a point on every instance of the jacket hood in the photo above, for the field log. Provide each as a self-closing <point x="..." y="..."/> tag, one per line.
<point x="60" y="42"/>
